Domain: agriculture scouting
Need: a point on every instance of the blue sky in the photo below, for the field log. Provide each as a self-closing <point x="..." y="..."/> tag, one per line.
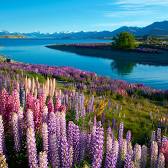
<point x="76" y="15"/>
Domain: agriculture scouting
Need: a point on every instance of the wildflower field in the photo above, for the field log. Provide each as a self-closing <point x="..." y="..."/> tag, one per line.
<point x="62" y="117"/>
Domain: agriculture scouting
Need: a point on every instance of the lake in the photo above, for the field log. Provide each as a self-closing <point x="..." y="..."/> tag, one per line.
<point x="34" y="51"/>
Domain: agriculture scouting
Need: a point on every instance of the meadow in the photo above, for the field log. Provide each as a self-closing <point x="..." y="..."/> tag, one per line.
<point x="65" y="117"/>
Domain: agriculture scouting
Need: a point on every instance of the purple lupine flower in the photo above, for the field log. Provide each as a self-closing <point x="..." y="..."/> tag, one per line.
<point x="63" y="123"/>
<point x="83" y="112"/>
<point x="43" y="161"/>
<point x="154" y="154"/>
<point x="83" y="137"/>
<point x="76" y="143"/>
<point x="91" y="105"/>
<point x="31" y="148"/>
<point x="128" y="136"/>
<point x="161" y="161"/>
<point x="16" y="132"/>
<point x="45" y="114"/>
<point x="120" y="134"/>
<point x="30" y="119"/>
<point x="71" y="155"/>
<point x="120" y="139"/>
<point x="45" y="136"/>
<point x="111" y="156"/>
<point x="95" y="121"/>
<point x="2" y="140"/>
<point x="93" y="138"/>
<point x="128" y="160"/>
<point x="123" y="152"/>
<point x="21" y="121"/>
<point x="53" y="144"/>
<point x="158" y="137"/>
<point x="144" y="156"/>
<point x="77" y="110"/>
<point x="65" y="157"/>
<point x="70" y="133"/>
<point x="109" y="141"/>
<point x="137" y="155"/>
<point x="58" y="127"/>
<point x="98" y="151"/>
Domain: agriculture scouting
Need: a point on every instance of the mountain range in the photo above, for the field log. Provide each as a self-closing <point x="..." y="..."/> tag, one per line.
<point x="154" y="29"/>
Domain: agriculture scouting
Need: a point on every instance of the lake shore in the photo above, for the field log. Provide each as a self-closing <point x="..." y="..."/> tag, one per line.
<point x="104" y="50"/>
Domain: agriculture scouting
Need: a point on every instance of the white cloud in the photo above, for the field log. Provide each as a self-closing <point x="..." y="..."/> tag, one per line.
<point x="141" y="2"/>
<point x="126" y="13"/>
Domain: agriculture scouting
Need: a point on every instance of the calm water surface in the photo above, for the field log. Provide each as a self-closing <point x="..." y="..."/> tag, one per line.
<point x="34" y="51"/>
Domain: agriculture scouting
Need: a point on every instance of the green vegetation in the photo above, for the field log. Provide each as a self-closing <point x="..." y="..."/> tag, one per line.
<point x="13" y="36"/>
<point x="124" y="40"/>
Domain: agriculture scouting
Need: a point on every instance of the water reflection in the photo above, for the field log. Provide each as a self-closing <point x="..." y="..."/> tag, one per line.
<point x="122" y="68"/>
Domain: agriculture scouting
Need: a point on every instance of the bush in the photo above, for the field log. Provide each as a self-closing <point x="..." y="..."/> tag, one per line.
<point x="125" y="40"/>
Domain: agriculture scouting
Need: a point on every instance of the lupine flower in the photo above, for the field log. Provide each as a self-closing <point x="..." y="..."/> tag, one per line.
<point x="37" y="114"/>
<point x="154" y="154"/>
<point x="70" y="132"/>
<point x="53" y="144"/>
<point x="98" y="151"/>
<point x="71" y="155"/>
<point x="45" y="114"/>
<point x="164" y="150"/>
<point x="161" y="161"/>
<point x="137" y="155"/>
<point x="63" y="123"/>
<point x="16" y="131"/>
<point x="128" y="136"/>
<point x="112" y="156"/>
<point x="30" y="119"/>
<point x="31" y="148"/>
<point x="50" y="106"/>
<point x="15" y="101"/>
<point x="83" y="140"/>
<point x="3" y="101"/>
<point x="21" y="120"/>
<point x="123" y="152"/>
<point x="43" y="161"/>
<point x="57" y="103"/>
<point x="76" y="143"/>
<point x="109" y="141"/>
<point x="144" y="156"/>
<point x="158" y="137"/>
<point x="45" y="137"/>
<point x="128" y="160"/>
<point x="120" y="139"/>
<point x="2" y="140"/>
<point x="65" y="157"/>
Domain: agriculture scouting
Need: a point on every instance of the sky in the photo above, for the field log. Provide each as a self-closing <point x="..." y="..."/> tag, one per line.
<point x="50" y="16"/>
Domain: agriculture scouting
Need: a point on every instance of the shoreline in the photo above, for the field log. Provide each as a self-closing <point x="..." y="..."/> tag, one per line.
<point x="104" y="50"/>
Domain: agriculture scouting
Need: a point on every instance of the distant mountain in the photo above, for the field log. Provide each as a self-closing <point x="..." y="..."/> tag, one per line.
<point x="156" y="29"/>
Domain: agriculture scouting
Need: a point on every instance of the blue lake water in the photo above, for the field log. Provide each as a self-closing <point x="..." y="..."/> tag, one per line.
<point x="34" y="51"/>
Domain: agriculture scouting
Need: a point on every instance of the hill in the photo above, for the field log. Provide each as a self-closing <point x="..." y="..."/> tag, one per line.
<point x="155" y="29"/>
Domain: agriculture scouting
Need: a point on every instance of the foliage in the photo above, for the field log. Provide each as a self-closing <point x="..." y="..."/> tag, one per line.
<point x="125" y="40"/>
